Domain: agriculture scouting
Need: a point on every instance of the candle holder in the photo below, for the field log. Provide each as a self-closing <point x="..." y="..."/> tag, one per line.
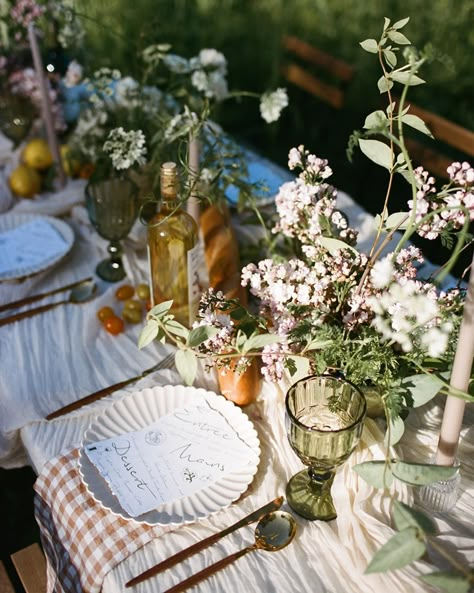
<point x="441" y="497"/>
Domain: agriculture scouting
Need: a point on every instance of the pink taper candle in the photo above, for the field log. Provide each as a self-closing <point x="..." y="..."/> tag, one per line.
<point x="461" y="373"/>
<point x="46" y="104"/>
<point x="193" y="164"/>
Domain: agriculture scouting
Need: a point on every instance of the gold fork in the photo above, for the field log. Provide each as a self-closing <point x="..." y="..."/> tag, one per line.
<point x="166" y="363"/>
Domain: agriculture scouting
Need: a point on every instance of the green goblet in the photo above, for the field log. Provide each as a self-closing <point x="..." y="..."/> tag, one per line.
<point x="324" y="418"/>
<point x="16" y="116"/>
<point x="112" y="208"/>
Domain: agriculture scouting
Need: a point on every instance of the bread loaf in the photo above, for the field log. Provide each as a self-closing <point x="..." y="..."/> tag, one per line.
<point x="222" y="251"/>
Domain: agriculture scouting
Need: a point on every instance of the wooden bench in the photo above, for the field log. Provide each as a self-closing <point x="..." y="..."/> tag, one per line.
<point x="430" y="154"/>
<point x="310" y="63"/>
<point x="30" y="565"/>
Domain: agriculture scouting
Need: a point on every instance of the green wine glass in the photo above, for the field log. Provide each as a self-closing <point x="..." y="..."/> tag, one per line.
<point x="16" y="116"/>
<point x="324" y="420"/>
<point x="113" y="208"/>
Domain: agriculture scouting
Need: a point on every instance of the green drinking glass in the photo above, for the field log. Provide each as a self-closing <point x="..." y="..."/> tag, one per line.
<point x="324" y="420"/>
<point x="113" y="208"/>
<point x="16" y="116"/>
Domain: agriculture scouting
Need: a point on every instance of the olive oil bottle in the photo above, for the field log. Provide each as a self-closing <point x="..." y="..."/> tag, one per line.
<point x="174" y="251"/>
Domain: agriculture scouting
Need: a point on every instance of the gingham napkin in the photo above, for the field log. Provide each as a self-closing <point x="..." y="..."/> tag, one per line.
<point x="82" y="541"/>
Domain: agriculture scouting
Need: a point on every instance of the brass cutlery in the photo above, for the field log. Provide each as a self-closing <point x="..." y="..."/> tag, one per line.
<point x="272" y="506"/>
<point x="167" y="362"/>
<point x="38" y="297"/>
<point x="81" y="293"/>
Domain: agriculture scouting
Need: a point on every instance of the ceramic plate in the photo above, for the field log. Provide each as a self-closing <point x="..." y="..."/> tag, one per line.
<point x="12" y="220"/>
<point x="139" y="409"/>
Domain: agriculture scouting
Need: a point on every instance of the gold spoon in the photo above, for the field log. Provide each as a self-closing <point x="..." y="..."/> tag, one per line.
<point x="79" y="294"/>
<point x="273" y="532"/>
<point x="37" y="297"/>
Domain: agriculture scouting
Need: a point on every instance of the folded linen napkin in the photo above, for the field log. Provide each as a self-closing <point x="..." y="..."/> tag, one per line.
<point x="82" y="541"/>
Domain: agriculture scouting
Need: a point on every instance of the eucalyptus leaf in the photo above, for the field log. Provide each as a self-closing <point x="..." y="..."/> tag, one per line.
<point x="376" y="222"/>
<point x="402" y="549"/>
<point x="200" y="334"/>
<point x="391" y="57"/>
<point x="160" y="309"/>
<point x="377" y="151"/>
<point x="398" y="37"/>
<point x="177" y="328"/>
<point x="401" y="23"/>
<point x="406" y="78"/>
<point x="395" y="221"/>
<point x="390" y="108"/>
<point x="397" y="428"/>
<point x="259" y="341"/>
<point x="421" y="474"/>
<point x="301" y="367"/>
<point x="148" y="333"/>
<point x="422" y="387"/>
<point x="450" y="582"/>
<point x="404" y="516"/>
<point x="186" y="364"/>
<point x="417" y="123"/>
<point x="318" y="344"/>
<point x="384" y="84"/>
<point x="370" y="45"/>
<point x="333" y="245"/>
<point x="386" y="23"/>
<point x="375" y="473"/>
<point x="376" y="119"/>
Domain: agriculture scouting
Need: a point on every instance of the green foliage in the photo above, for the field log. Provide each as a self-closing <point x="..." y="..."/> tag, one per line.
<point x="402" y="549"/>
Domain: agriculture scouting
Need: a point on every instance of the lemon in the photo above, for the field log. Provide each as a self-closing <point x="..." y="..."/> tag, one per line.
<point x="71" y="165"/>
<point x="25" y="181"/>
<point x="37" y="154"/>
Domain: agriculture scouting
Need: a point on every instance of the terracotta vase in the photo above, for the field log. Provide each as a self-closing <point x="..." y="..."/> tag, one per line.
<point x="241" y="388"/>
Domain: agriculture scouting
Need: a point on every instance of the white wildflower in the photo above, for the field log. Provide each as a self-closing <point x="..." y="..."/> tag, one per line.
<point x="272" y="104"/>
<point x="213" y="58"/>
<point x="382" y="273"/>
<point x="126" y="92"/>
<point x="125" y="148"/>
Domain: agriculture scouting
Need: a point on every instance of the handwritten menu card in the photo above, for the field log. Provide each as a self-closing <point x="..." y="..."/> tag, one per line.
<point x="29" y="244"/>
<point x="174" y="457"/>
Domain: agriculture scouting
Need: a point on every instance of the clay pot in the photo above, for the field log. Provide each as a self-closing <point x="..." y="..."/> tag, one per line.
<point x="241" y="388"/>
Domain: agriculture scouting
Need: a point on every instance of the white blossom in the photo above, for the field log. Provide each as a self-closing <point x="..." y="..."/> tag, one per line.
<point x="272" y="104"/>
<point x="125" y="148"/>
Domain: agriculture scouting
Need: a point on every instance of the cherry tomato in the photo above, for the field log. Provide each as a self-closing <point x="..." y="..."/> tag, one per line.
<point x="143" y="292"/>
<point x="132" y="315"/>
<point x="132" y="305"/>
<point x="104" y="313"/>
<point x="124" y="292"/>
<point x="114" y="325"/>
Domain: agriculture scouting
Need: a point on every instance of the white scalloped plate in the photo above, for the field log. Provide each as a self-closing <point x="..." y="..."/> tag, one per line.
<point x="137" y="410"/>
<point x="11" y="220"/>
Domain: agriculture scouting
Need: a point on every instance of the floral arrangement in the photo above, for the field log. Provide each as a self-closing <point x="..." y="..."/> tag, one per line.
<point x="125" y="124"/>
<point x="322" y="304"/>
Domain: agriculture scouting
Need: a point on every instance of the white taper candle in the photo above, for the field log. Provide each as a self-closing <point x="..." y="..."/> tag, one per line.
<point x="460" y="376"/>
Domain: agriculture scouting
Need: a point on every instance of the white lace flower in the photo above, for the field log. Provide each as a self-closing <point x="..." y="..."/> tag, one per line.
<point x="272" y="104"/>
<point x="125" y="148"/>
<point x="126" y="92"/>
<point x="213" y="59"/>
<point x="382" y="273"/>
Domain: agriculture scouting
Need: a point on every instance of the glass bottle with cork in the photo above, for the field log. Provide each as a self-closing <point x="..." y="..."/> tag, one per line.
<point x="174" y="251"/>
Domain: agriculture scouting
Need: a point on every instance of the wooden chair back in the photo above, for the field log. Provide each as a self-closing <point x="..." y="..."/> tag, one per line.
<point x="30" y="565"/>
<point x="444" y="131"/>
<point x="310" y="64"/>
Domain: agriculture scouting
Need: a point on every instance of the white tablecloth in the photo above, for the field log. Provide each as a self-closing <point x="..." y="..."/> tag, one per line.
<point x="52" y="359"/>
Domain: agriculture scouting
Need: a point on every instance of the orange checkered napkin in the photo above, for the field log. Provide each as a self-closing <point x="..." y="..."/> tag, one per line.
<point x="82" y="540"/>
